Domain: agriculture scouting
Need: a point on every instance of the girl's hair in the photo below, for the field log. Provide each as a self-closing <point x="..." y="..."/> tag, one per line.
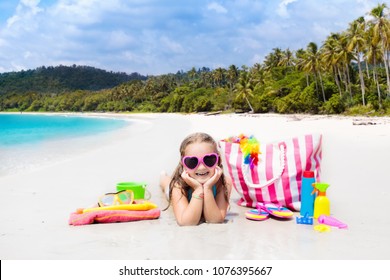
<point x="177" y="180"/>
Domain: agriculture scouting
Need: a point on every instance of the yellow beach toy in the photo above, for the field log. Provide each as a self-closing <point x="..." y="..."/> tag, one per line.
<point x="122" y="200"/>
<point x="116" y="207"/>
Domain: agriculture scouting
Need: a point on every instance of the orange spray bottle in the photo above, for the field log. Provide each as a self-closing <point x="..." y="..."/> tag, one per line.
<point x="321" y="203"/>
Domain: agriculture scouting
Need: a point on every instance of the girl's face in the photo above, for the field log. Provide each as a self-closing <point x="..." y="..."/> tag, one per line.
<point x="201" y="173"/>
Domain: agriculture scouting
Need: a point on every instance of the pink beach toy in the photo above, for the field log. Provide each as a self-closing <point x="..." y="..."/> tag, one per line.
<point x="330" y="221"/>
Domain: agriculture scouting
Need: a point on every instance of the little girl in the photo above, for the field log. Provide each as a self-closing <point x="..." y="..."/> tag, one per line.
<point x="198" y="189"/>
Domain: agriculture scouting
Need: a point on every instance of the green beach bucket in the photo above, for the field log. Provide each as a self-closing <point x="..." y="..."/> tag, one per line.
<point x="138" y="189"/>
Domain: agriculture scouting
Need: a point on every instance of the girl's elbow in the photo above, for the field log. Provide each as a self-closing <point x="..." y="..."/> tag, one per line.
<point x="187" y="223"/>
<point x="216" y="221"/>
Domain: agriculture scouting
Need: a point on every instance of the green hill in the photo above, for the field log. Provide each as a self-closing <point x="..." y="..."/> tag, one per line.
<point x="61" y="79"/>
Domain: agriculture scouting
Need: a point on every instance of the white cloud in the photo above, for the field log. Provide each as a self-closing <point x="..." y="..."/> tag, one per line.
<point x="154" y="36"/>
<point x="256" y="59"/>
<point x="119" y="39"/>
<point x="12" y="20"/>
<point x="218" y="8"/>
<point x="282" y="8"/>
<point x="26" y="11"/>
<point x="78" y="12"/>
<point x="33" y="4"/>
<point x="171" y="45"/>
<point x="320" y="31"/>
<point x="27" y="55"/>
<point x="3" y="42"/>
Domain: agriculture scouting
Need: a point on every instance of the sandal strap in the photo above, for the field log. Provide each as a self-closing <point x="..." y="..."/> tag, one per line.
<point x="262" y="206"/>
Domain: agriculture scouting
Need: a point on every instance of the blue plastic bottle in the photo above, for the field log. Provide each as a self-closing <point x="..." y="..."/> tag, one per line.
<point x="307" y="194"/>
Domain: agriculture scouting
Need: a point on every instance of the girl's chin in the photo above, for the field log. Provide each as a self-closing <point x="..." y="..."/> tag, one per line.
<point x="203" y="179"/>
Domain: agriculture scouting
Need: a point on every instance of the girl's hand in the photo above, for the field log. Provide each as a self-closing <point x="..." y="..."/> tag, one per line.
<point x="214" y="179"/>
<point x="190" y="181"/>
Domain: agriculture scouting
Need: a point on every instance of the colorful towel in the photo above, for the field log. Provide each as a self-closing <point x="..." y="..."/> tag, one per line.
<point x="112" y="216"/>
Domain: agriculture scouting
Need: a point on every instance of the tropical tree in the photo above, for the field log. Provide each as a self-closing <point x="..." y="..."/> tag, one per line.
<point x="381" y="33"/>
<point x="192" y="73"/>
<point x="244" y="88"/>
<point x="357" y="43"/>
<point x="329" y="57"/>
<point x="232" y="77"/>
<point x="205" y="77"/>
<point x="287" y="59"/>
<point x="218" y="76"/>
<point x="273" y="59"/>
<point x="258" y="75"/>
<point x="312" y="64"/>
<point x="373" y="55"/>
<point x="345" y="56"/>
<point x="300" y="63"/>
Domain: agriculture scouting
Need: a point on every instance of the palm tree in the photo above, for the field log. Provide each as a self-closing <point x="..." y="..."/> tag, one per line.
<point x="300" y="58"/>
<point x="232" y="77"/>
<point x="345" y="56"/>
<point x="192" y="74"/>
<point x="373" y="55"/>
<point x="273" y="59"/>
<point x="357" y="43"/>
<point x="287" y="59"/>
<point x="244" y="88"/>
<point x="219" y="76"/>
<point x="329" y="57"/>
<point x="205" y="77"/>
<point x="381" y="28"/>
<point x="312" y="64"/>
<point x="258" y="75"/>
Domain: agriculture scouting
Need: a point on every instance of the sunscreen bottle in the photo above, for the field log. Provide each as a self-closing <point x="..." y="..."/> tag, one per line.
<point x="307" y="194"/>
<point x="321" y="203"/>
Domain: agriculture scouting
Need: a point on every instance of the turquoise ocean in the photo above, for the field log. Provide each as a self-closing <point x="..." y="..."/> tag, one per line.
<point x="29" y="140"/>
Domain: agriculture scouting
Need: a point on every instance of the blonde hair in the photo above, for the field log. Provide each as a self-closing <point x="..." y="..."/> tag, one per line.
<point x="177" y="180"/>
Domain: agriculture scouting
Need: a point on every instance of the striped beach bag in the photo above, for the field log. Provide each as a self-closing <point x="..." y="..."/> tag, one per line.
<point x="276" y="176"/>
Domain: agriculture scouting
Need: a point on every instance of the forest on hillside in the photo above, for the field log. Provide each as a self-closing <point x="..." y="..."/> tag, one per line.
<point x="62" y="78"/>
<point x="348" y="73"/>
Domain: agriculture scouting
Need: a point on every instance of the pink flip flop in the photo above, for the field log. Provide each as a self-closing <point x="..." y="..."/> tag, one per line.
<point x="256" y="215"/>
<point x="275" y="210"/>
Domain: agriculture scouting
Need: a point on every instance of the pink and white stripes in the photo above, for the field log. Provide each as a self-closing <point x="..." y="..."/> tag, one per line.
<point x="278" y="176"/>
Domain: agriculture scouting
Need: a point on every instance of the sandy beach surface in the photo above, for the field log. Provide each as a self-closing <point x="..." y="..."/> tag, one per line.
<point x="36" y="204"/>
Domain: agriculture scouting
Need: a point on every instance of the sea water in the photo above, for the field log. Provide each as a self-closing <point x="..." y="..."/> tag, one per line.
<point x="30" y="140"/>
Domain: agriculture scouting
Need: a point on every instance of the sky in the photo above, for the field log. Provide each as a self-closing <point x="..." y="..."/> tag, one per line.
<point x="154" y="37"/>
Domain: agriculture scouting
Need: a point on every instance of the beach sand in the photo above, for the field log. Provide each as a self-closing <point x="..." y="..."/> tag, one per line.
<point x="36" y="204"/>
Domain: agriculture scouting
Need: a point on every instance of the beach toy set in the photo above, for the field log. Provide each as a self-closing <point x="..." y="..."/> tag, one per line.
<point x="139" y="189"/>
<point x="280" y="179"/>
<point x="315" y="205"/>
<point x="305" y="220"/>
<point x="126" y="205"/>
<point x="307" y="194"/>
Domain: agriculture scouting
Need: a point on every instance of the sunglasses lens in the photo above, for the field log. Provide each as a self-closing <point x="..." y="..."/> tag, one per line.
<point x="191" y="162"/>
<point x="107" y="200"/>
<point x="124" y="197"/>
<point x="210" y="160"/>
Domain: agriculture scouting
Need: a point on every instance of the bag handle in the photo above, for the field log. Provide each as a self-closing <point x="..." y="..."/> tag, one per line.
<point x="278" y="173"/>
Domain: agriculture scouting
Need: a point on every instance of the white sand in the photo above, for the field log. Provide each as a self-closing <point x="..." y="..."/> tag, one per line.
<point x="35" y="205"/>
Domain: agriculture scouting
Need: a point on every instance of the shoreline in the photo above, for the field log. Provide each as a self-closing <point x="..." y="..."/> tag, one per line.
<point x="29" y="157"/>
<point x="354" y="163"/>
